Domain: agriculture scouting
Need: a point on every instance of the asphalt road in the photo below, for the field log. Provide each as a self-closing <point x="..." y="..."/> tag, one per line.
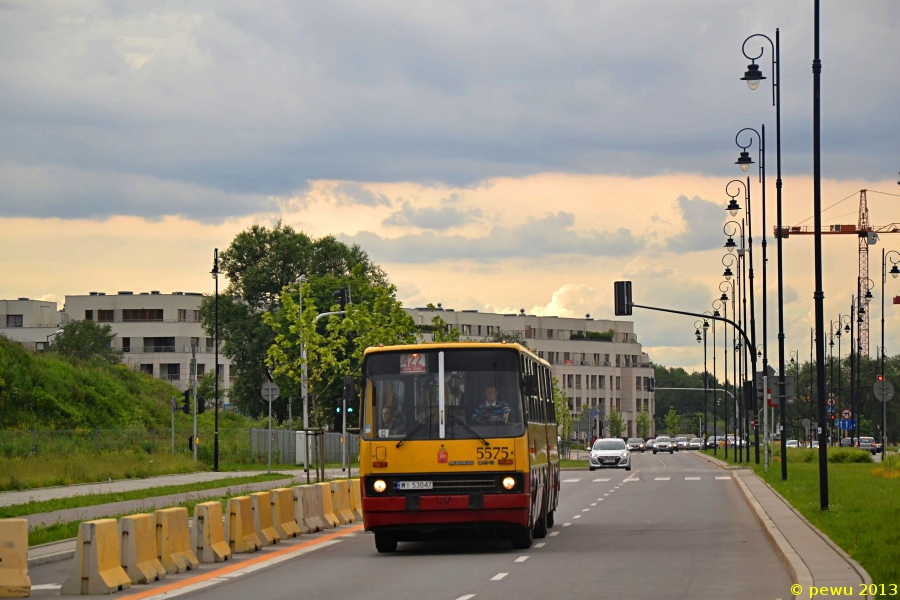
<point x="677" y="528"/>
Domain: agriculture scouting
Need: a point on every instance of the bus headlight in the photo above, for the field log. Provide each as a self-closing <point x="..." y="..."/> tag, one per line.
<point x="509" y="483"/>
<point x="379" y="486"/>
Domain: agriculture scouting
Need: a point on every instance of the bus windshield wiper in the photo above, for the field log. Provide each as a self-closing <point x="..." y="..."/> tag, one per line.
<point x="410" y="434"/>
<point x="469" y="429"/>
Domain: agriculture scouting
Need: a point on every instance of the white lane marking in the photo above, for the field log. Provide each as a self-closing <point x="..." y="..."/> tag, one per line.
<point x="539" y="545"/>
<point x="571" y="480"/>
<point x="723" y="477"/>
<point x="554" y="534"/>
<point x="499" y="576"/>
<point x="521" y="559"/>
<point x="594" y="503"/>
<point x="577" y="517"/>
<point x="662" y="479"/>
<point x="692" y="479"/>
<point x="585" y="509"/>
<point x="46" y="586"/>
<point x="466" y="597"/>
<point x="632" y="478"/>
<point x="601" y="479"/>
<point x="566" y="524"/>
<point x="604" y="495"/>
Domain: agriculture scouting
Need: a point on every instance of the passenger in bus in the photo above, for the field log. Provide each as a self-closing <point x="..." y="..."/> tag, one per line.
<point x="491" y="409"/>
<point x="391" y="421"/>
<point x="428" y="415"/>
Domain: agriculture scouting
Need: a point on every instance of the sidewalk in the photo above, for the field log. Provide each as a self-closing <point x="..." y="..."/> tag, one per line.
<point x="810" y="556"/>
<point x="127" y="485"/>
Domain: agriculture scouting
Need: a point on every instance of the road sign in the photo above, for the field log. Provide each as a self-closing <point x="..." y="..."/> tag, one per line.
<point x="806" y="423"/>
<point x="830" y="409"/>
<point x="846" y="413"/>
<point x="884" y="390"/>
<point x="846" y="424"/>
<point x="270" y="391"/>
<point x="831" y="402"/>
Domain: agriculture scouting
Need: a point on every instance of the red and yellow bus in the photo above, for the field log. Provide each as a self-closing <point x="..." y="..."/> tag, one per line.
<point x="457" y="439"/>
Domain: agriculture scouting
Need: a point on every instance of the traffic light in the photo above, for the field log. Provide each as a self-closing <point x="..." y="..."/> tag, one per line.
<point x="760" y="396"/>
<point x="622" y="298"/>
<point x="340" y="297"/>
<point x="880" y="377"/>
<point x="186" y="402"/>
<point x="831" y="416"/>
<point x="201" y="405"/>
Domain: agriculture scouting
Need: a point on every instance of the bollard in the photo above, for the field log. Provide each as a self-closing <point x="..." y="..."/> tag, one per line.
<point x="208" y="533"/>
<point x="340" y="501"/>
<point x="137" y="548"/>
<point x="14" y="579"/>
<point x="98" y="568"/>
<point x="262" y="518"/>
<point x="173" y="540"/>
<point x="239" y="531"/>
<point x="327" y="506"/>
<point x="283" y="513"/>
<point x="356" y="499"/>
<point x="297" y="497"/>
<point x="313" y="515"/>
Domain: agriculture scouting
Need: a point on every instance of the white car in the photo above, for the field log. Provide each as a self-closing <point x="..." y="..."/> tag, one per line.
<point x="695" y="444"/>
<point x="610" y="453"/>
<point x="793" y="444"/>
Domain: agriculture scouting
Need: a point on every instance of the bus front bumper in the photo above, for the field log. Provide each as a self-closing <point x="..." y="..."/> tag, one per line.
<point x="452" y="511"/>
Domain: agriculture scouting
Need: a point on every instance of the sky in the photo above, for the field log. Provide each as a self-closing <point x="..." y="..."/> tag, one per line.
<point x="489" y="156"/>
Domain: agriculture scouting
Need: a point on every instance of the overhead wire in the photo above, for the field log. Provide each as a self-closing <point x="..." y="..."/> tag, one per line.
<point x="885" y="193"/>
<point x="832" y="206"/>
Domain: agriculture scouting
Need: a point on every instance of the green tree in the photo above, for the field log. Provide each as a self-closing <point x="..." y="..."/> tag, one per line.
<point x="441" y="332"/>
<point x="616" y="423"/>
<point x="206" y="388"/>
<point x="696" y="423"/>
<point x="561" y="406"/>
<point x="510" y="336"/>
<point x="86" y="340"/>
<point x="672" y="421"/>
<point x="643" y="422"/>
<point x="258" y="264"/>
<point x="338" y="350"/>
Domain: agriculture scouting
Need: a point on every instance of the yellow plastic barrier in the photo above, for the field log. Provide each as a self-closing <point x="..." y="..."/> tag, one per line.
<point x="262" y="518"/>
<point x="327" y="505"/>
<point x="14" y="580"/>
<point x="340" y="501"/>
<point x="137" y="549"/>
<point x="239" y="526"/>
<point x="208" y="533"/>
<point x="173" y="540"/>
<point x="313" y="516"/>
<point x="98" y="568"/>
<point x="356" y="499"/>
<point x="283" y="513"/>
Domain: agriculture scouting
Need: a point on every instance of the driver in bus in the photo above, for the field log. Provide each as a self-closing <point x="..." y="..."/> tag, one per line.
<point x="491" y="409"/>
<point x="391" y="421"/>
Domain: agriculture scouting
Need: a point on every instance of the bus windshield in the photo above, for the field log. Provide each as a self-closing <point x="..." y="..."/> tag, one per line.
<point x="480" y="390"/>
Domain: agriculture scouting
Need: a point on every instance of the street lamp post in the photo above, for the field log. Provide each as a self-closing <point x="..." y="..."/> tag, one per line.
<point x="795" y="361"/>
<point x="701" y="337"/>
<point x="724" y="300"/>
<point x="894" y="273"/>
<point x="715" y="305"/>
<point x="865" y="296"/>
<point x="753" y="76"/>
<point x="215" y="274"/>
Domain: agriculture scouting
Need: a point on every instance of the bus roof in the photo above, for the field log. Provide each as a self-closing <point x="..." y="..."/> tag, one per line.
<point x="455" y="346"/>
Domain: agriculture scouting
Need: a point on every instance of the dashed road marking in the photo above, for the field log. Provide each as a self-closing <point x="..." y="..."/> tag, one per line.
<point x="692" y="479"/>
<point x="571" y="480"/>
<point x="577" y="517"/>
<point x="662" y="479"/>
<point x="466" y="597"/>
<point x="594" y="503"/>
<point x="554" y="534"/>
<point x="521" y="559"/>
<point x="585" y="509"/>
<point x="566" y="524"/>
<point x="601" y="479"/>
<point x="539" y="545"/>
<point x="499" y="576"/>
<point x="721" y="478"/>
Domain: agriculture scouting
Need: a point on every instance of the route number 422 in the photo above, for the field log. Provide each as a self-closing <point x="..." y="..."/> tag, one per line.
<point x="494" y="452"/>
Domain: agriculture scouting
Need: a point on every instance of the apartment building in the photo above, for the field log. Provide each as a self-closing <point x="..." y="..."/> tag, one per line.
<point x="155" y="331"/>
<point x="599" y="362"/>
<point x="32" y="323"/>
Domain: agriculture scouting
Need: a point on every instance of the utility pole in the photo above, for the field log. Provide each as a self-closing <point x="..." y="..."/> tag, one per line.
<point x="194" y="386"/>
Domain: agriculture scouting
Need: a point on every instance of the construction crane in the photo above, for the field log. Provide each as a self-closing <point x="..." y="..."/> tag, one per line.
<point x="868" y="235"/>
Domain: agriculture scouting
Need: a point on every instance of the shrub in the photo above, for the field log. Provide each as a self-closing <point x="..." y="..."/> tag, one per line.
<point x="849" y="455"/>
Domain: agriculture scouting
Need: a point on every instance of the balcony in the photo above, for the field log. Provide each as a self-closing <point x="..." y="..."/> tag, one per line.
<point x="171" y="376"/>
<point x="159" y="348"/>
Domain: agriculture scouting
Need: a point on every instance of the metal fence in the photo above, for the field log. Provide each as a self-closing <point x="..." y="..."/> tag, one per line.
<point x="284" y="446"/>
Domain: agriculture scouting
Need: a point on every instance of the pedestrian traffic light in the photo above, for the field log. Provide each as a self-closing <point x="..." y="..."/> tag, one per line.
<point x="186" y="402"/>
<point x="340" y="297"/>
<point x="201" y="405"/>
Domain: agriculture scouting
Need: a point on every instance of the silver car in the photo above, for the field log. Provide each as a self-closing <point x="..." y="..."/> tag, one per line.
<point x="695" y="444"/>
<point x="664" y="443"/>
<point x="610" y="453"/>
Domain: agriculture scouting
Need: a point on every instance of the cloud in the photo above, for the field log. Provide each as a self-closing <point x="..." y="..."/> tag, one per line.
<point x="350" y="193"/>
<point x="702" y="226"/>
<point x="535" y="239"/>
<point x="438" y="219"/>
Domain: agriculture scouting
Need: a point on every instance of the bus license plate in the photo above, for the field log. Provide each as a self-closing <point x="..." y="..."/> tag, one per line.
<point x="414" y="485"/>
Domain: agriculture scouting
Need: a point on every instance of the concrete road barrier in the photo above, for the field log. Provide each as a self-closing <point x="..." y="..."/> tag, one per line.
<point x="356" y="499"/>
<point x="283" y="513"/>
<point x="98" y="566"/>
<point x="137" y="549"/>
<point x="208" y="533"/>
<point x="313" y="516"/>
<point x="327" y="505"/>
<point x="173" y="540"/>
<point x="14" y="579"/>
<point x="297" y="503"/>
<point x="239" y="531"/>
<point x="340" y="501"/>
<point x="262" y="518"/>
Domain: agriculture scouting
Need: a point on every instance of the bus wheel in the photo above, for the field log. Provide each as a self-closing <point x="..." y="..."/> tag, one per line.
<point x="550" y="519"/>
<point x="522" y="538"/>
<point x="540" y="528"/>
<point x="385" y="542"/>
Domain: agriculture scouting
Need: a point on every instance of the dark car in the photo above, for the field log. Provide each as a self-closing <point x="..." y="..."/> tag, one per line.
<point x="635" y="444"/>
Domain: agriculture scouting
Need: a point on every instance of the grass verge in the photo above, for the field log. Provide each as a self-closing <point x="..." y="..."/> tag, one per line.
<point x="864" y="509"/>
<point x="566" y="463"/>
<point x="30" y="508"/>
